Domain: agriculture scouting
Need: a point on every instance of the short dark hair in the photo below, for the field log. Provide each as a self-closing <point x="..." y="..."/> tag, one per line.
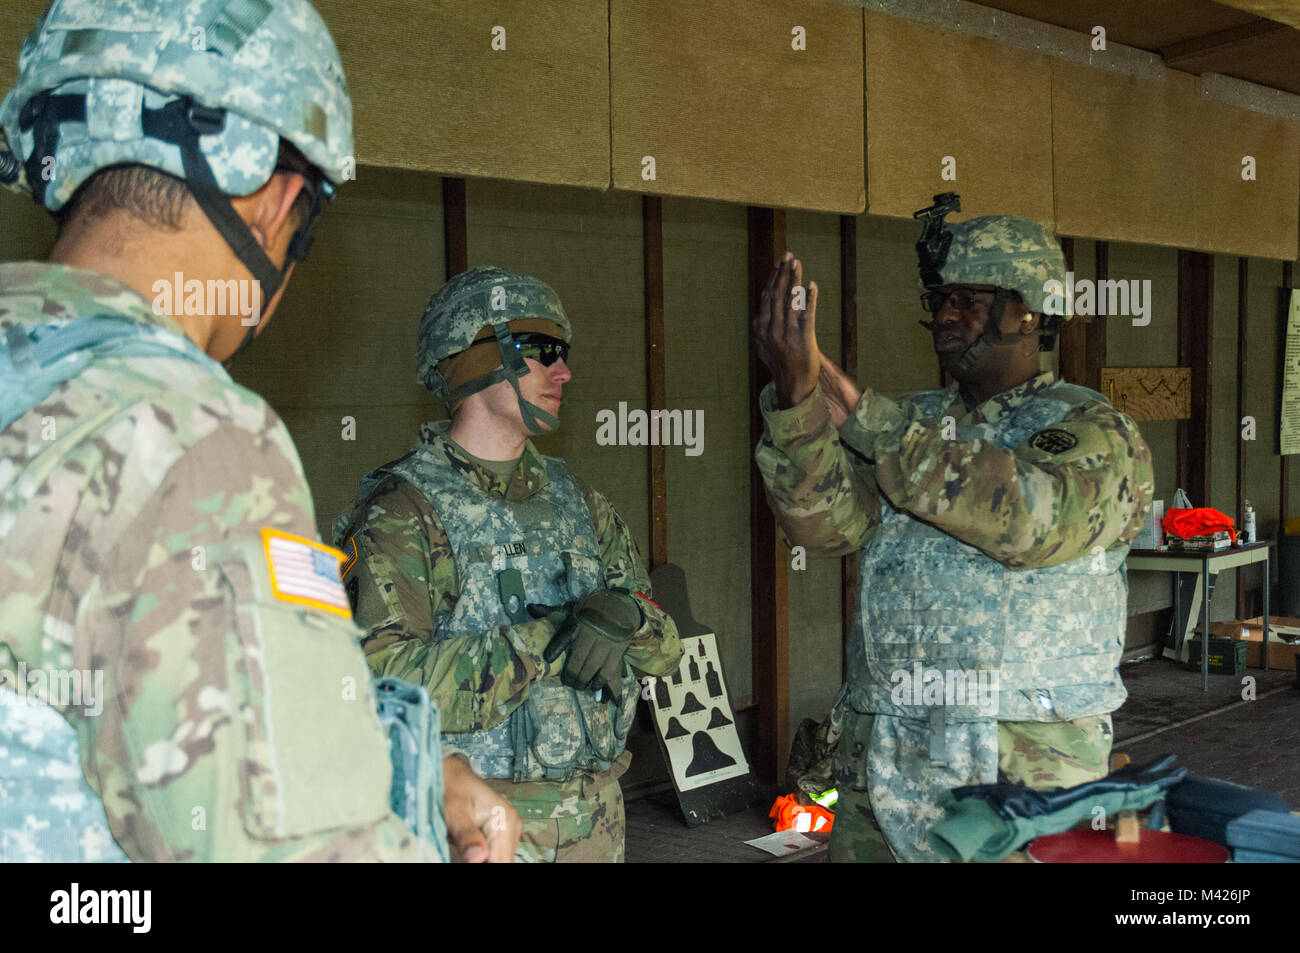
<point x="156" y="198"/>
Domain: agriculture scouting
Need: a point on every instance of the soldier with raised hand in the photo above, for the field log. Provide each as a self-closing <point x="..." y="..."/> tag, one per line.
<point x="992" y="519"/>
<point x="492" y="576"/>
<point x="156" y="530"/>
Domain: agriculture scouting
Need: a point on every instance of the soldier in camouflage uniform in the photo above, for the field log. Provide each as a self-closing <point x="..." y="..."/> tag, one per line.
<point x="492" y="576"/>
<point x="157" y="531"/>
<point x="992" y="519"/>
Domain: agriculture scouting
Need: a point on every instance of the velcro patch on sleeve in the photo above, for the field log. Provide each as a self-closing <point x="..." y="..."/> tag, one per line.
<point x="349" y="555"/>
<point x="1054" y="440"/>
<point x="305" y="572"/>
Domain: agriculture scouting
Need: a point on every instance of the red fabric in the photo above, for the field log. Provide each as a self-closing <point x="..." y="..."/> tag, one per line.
<point x="1201" y="521"/>
<point x="786" y="809"/>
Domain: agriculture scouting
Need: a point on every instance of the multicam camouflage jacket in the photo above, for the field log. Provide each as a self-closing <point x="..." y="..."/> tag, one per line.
<point x="144" y="506"/>
<point x="1083" y="482"/>
<point x="401" y="574"/>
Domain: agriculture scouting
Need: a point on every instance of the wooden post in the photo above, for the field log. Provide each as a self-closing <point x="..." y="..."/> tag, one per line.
<point x="652" y="231"/>
<point x="768" y="577"/>
<point x="1285" y="495"/>
<point x="1095" y="336"/>
<point x="1073" y="358"/>
<point x="849" y="362"/>
<point x="1195" y="346"/>
<point x="454" y="230"/>
<point x="1243" y="269"/>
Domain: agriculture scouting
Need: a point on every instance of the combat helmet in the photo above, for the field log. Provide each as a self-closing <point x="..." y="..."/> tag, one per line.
<point x="201" y="89"/>
<point x="486" y="296"/>
<point x="1012" y="253"/>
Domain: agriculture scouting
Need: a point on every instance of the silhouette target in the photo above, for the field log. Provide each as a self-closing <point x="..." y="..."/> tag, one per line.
<point x="719" y="720"/>
<point x="692" y="704"/>
<point x="707" y="756"/>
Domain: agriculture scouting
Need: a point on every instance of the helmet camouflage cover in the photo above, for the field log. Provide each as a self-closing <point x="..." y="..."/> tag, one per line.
<point x="270" y="65"/>
<point x="1009" y="252"/>
<point x="486" y="296"/>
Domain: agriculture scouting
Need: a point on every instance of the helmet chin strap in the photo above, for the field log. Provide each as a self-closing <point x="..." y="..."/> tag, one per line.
<point x="513" y="366"/>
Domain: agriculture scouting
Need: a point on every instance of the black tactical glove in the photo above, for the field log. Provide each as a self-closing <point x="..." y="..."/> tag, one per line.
<point x="596" y="631"/>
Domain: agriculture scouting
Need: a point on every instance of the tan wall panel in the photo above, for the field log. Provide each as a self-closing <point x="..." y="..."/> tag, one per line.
<point x="932" y="93"/>
<point x="1125" y="155"/>
<point x="715" y="93"/>
<point x="430" y="93"/>
<point x="17" y="17"/>
<point x="1260" y="218"/>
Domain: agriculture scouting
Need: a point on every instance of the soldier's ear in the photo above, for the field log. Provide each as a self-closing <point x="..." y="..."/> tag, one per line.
<point x="1030" y="322"/>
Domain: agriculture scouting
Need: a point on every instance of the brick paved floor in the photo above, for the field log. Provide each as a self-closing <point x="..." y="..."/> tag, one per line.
<point x="1255" y="743"/>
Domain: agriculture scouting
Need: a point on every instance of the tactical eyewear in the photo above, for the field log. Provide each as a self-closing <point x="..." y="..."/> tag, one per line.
<point x="962" y="299"/>
<point x="541" y="348"/>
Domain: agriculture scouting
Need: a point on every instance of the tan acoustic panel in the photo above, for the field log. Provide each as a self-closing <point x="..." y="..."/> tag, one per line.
<point x="1125" y="153"/>
<point x="429" y="91"/>
<point x="933" y="94"/>
<point x="1259" y="218"/>
<point x="715" y="94"/>
<point x="1154" y="162"/>
<point x="17" y="17"/>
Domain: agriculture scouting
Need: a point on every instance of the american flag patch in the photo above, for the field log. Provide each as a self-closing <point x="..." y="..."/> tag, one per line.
<point x="305" y="572"/>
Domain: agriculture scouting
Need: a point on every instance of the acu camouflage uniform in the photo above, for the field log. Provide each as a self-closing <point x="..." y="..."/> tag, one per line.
<point x="401" y="571"/>
<point x="234" y="725"/>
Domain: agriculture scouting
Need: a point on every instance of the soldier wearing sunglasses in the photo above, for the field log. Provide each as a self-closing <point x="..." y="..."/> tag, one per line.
<point x="508" y="588"/>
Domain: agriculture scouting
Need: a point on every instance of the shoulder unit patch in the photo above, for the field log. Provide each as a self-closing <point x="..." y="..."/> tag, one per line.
<point x="1053" y="440"/>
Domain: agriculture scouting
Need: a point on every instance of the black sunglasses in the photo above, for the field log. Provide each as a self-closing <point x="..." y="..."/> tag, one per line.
<point x="542" y="348"/>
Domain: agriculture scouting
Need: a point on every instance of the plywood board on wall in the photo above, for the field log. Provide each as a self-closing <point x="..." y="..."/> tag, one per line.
<point x="1155" y="162"/>
<point x="1259" y="216"/>
<point x="430" y="92"/>
<point x="717" y="95"/>
<point x="933" y="94"/>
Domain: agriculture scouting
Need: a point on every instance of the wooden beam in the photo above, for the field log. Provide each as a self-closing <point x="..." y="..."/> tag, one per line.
<point x="849" y="362"/>
<point x="455" y="233"/>
<point x="652" y="243"/>
<point x="1073" y="359"/>
<point x="1243" y="270"/>
<point x="768" y="567"/>
<point x="1195" y="347"/>
<point x="1094" y="337"/>
<point x="1284" y="497"/>
<point x="1176" y="54"/>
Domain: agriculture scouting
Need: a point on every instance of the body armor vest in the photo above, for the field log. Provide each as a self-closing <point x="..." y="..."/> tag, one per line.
<point x="1030" y="644"/>
<point x="509" y="554"/>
